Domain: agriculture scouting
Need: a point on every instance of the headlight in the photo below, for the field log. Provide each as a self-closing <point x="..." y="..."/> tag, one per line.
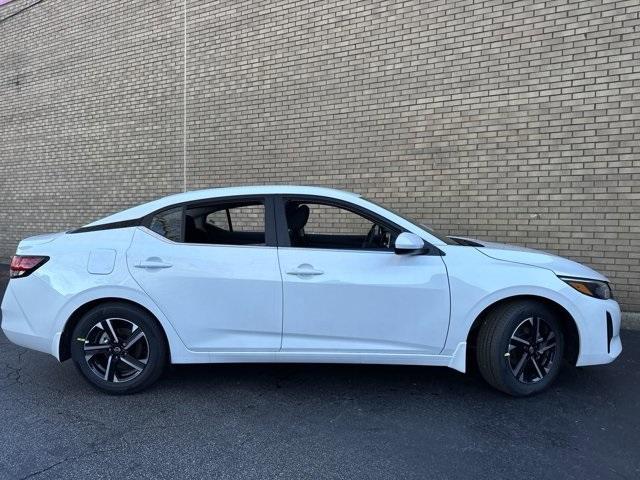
<point x="593" y="288"/>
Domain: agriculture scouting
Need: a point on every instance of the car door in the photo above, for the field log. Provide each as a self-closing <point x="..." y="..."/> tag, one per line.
<point x="344" y="293"/>
<point x="218" y="284"/>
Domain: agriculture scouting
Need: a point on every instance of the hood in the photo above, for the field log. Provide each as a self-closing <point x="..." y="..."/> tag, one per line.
<point x="528" y="256"/>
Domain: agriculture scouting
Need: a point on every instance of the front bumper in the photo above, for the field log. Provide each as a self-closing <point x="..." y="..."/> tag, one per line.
<point x="600" y="334"/>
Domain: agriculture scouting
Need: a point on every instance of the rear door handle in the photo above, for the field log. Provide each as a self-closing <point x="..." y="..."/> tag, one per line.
<point x="153" y="263"/>
<point x="304" y="270"/>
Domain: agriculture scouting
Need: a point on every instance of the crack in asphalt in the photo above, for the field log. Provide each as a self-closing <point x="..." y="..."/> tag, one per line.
<point x="13" y="372"/>
<point x="67" y="459"/>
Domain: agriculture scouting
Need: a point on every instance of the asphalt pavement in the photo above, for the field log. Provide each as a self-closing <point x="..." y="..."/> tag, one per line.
<point x="316" y="422"/>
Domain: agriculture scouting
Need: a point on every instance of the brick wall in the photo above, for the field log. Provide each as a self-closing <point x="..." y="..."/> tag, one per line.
<point x="510" y="121"/>
<point x="90" y="111"/>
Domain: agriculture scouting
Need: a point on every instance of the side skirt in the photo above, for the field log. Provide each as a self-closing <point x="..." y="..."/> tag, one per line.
<point x="457" y="361"/>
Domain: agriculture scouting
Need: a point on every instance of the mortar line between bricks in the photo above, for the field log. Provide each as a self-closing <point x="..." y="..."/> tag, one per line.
<point x="184" y="104"/>
<point x="21" y="10"/>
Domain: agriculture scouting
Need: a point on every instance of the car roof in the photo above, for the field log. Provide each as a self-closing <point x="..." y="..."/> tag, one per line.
<point x="195" y="195"/>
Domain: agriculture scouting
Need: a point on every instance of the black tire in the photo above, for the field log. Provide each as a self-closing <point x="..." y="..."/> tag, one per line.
<point x="139" y="364"/>
<point x="504" y="359"/>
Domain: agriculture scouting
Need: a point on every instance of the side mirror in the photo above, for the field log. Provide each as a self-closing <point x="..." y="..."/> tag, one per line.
<point x="409" y="244"/>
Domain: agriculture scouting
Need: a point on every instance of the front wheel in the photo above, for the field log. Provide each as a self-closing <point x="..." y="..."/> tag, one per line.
<point x="520" y="348"/>
<point x="119" y="348"/>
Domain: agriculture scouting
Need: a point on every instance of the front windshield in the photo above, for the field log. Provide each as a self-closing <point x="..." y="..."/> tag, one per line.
<point x="439" y="236"/>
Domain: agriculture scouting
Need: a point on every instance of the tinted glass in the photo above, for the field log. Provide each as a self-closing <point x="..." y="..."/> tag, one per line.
<point x="438" y="235"/>
<point x="244" y="218"/>
<point x="325" y="219"/>
<point x="168" y="224"/>
<point x="319" y="225"/>
<point x="233" y="223"/>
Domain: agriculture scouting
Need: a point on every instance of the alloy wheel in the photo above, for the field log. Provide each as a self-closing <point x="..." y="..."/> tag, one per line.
<point x="116" y="350"/>
<point x="532" y="350"/>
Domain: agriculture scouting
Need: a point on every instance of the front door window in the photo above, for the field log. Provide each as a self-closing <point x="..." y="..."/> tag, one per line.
<point x="322" y="225"/>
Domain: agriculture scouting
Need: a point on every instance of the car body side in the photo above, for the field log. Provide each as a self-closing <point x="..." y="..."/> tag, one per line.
<point x="90" y="267"/>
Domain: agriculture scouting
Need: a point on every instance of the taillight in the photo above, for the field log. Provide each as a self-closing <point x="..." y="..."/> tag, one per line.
<point x="23" y="265"/>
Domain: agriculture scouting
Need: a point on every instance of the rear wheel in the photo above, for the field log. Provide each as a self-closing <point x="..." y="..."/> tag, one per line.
<point x="119" y="348"/>
<point x="520" y="348"/>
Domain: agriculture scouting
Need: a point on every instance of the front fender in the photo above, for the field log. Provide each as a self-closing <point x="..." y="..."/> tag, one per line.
<point x="461" y="325"/>
<point x="477" y="282"/>
<point x="518" y="291"/>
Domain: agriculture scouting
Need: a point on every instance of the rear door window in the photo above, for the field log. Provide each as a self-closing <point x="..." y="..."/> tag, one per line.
<point x="233" y="223"/>
<point x="168" y="223"/>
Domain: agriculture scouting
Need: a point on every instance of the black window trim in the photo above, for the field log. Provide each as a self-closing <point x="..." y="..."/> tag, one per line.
<point x="135" y="222"/>
<point x="145" y="221"/>
<point x="282" y="228"/>
<point x="276" y="230"/>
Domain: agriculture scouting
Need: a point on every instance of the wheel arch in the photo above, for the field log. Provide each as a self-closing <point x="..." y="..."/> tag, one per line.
<point x="568" y="322"/>
<point x="64" y="346"/>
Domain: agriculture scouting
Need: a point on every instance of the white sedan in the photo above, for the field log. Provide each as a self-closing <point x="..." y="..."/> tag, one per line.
<point x="299" y="274"/>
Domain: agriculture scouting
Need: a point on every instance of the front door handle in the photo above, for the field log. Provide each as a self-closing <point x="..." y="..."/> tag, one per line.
<point x="304" y="270"/>
<point x="153" y="263"/>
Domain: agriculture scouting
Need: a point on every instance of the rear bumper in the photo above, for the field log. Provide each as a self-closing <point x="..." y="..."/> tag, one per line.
<point x="600" y="334"/>
<point x="18" y="328"/>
